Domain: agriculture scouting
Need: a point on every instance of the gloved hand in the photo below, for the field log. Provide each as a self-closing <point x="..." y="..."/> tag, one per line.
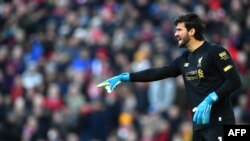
<point x="202" y="111"/>
<point x="113" y="82"/>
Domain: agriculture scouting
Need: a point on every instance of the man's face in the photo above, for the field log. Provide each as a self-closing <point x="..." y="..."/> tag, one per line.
<point x="181" y="35"/>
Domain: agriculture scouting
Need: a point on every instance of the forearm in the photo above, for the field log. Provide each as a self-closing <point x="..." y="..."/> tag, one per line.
<point x="153" y="74"/>
<point x="146" y="75"/>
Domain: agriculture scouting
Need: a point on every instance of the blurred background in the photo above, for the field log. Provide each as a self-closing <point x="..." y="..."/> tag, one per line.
<point x="53" y="53"/>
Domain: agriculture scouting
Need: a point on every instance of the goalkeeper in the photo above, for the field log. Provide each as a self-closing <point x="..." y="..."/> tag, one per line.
<point x="209" y="75"/>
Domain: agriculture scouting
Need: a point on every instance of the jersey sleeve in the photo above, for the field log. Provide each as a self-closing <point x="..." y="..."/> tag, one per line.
<point x="154" y="74"/>
<point x="228" y="70"/>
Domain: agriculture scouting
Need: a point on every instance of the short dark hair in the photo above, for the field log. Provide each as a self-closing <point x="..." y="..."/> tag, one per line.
<point x="192" y="20"/>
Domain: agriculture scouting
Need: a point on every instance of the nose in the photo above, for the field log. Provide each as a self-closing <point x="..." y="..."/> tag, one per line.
<point x="176" y="34"/>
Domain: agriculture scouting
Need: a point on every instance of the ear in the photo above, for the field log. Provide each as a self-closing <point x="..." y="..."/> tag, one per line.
<point x="191" y="32"/>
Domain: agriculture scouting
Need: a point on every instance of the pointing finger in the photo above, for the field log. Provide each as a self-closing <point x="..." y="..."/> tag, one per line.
<point x="105" y="83"/>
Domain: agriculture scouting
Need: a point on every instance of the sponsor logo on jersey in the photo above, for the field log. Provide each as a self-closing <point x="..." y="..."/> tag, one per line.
<point x="195" y="74"/>
<point x="200" y="73"/>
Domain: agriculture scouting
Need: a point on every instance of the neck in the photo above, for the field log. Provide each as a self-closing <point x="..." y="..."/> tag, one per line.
<point x="194" y="44"/>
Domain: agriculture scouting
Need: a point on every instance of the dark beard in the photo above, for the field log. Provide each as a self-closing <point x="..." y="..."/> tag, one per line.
<point x="184" y="43"/>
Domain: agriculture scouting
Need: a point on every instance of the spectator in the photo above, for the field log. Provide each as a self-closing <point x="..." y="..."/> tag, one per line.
<point x="53" y="53"/>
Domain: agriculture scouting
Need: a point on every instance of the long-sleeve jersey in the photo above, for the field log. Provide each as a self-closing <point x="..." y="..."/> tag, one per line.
<point x="208" y="69"/>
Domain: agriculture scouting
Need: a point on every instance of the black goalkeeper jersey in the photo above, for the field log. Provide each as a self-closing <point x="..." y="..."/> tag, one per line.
<point x="209" y="68"/>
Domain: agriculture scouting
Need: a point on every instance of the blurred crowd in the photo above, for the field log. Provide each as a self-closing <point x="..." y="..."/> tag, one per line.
<point x="53" y="53"/>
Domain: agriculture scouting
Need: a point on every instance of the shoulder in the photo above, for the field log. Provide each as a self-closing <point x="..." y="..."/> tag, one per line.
<point x="183" y="56"/>
<point x="218" y="52"/>
<point x="216" y="49"/>
<point x="180" y="59"/>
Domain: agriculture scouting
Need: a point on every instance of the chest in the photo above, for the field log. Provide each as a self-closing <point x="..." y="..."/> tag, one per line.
<point x="197" y="67"/>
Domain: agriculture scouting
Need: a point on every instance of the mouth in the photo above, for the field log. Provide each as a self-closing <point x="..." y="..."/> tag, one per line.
<point x="178" y="38"/>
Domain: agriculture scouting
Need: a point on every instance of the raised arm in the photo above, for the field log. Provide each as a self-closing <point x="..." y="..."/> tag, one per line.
<point x="147" y="75"/>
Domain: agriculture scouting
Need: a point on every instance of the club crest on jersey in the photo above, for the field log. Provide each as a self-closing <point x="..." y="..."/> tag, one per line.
<point x="199" y="62"/>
